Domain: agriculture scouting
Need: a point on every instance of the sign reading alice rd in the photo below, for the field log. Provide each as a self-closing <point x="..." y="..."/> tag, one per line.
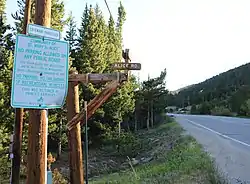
<point x="126" y="66"/>
<point x="40" y="73"/>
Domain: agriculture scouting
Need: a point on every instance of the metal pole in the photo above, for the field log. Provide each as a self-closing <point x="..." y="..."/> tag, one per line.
<point x="86" y="141"/>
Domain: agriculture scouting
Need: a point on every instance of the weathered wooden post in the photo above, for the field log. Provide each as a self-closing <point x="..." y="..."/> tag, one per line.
<point x="36" y="82"/>
<point x="74" y="135"/>
<point x="38" y="120"/>
<point x="18" y="124"/>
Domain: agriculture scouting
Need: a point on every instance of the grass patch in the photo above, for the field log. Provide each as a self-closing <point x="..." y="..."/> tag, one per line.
<point x="177" y="159"/>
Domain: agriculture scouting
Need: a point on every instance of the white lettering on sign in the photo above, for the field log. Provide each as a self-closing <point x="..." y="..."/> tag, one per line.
<point x="128" y="66"/>
<point x="40" y="73"/>
<point x="42" y="31"/>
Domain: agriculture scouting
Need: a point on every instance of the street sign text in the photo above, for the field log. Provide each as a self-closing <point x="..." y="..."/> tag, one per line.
<point x="40" y="73"/>
<point x="126" y="66"/>
<point x="42" y="31"/>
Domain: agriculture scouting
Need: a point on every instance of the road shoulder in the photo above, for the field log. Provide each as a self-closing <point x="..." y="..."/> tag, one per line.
<point x="231" y="157"/>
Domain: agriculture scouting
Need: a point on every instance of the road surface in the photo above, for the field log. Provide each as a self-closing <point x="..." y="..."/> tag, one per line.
<point x="227" y="140"/>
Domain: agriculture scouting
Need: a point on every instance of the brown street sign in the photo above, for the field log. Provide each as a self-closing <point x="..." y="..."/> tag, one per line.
<point x="126" y="66"/>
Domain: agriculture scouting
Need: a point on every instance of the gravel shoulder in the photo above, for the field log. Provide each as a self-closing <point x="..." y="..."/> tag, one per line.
<point x="232" y="158"/>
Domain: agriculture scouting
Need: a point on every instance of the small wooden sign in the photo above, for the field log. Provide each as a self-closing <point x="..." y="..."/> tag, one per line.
<point x="126" y="66"/>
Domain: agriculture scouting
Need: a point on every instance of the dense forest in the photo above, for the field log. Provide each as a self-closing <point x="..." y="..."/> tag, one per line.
<point x="94" y="46"/>
<point x="225" y="94"/>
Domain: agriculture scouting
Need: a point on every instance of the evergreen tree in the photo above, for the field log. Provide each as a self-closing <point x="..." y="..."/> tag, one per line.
<point x="2" y="8"/>
<point x="119" y="25"/>
<point x="83" y="28"/>
<point x="57" y="15"/>
<point x="18" y="16"/>
<point x="112" y="45"/>
<point x="152" y="99"/>
<point x="91" y="56"/>
<point x="71" y="35"/>
<point x="114" y="111"/>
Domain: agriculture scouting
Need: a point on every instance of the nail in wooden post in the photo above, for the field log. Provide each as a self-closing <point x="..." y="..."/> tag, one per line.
<point x="74" y="135"/>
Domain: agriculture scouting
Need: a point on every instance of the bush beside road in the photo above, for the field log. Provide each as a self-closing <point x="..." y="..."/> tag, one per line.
<point x="173" y="157"/>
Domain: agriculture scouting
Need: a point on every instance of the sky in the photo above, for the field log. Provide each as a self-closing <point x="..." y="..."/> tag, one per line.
<point x="193" y="39"/>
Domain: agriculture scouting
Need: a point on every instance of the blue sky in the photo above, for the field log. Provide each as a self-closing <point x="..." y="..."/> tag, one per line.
<point x="193" y="39"/>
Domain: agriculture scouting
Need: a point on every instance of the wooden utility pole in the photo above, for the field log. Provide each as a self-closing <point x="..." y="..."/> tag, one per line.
<point x="74" y="136"/>
<point x="38" y="122"/>
<point x="19" y="113"/>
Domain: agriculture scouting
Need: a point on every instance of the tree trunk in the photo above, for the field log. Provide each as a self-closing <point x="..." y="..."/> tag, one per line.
<point x="152" y="114"/>
<point x="148" y="117"/>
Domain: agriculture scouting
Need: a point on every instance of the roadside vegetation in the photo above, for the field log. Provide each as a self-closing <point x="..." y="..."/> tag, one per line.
<point x="171" y="157"/>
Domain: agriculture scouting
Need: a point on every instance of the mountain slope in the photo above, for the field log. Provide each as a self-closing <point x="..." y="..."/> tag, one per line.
<point x="226" y="89"/>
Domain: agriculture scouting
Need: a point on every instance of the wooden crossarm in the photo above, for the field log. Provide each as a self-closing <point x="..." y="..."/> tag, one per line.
<point x="96" y="78"/>
<point x="94" y="104"/>
<point x="101" y="101"/>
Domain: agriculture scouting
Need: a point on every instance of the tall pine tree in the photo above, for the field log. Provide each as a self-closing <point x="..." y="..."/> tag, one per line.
<point x="71" y="35"/>
<point x="91" y="57"/>
<point x="114" y="111"/>
<point x="57" y="15"/>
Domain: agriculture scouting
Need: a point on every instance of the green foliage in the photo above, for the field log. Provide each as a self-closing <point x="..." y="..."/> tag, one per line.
<point x="205" y="108"/>
<point x="245" y="108"/>
<point x="126" y="144"/>
<point x="91" y="57"/>
<point x="185" y="162"/>
<point x="57" y="15"/>
<point x="193" y="109"/>
<point x="71" y="35"/>
<point x="58" y="178"/>
<point x="221" y="111"/>
<point x="151" y="95"/>
<point x="2" y="7"/>
<point x="226" y="93"/>
<point x="4" y="148"/>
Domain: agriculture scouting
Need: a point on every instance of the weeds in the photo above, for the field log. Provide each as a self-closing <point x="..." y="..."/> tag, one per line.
<point x="182" y="162"/>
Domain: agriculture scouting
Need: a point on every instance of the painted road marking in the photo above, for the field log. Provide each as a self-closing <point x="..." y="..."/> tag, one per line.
<point x="218" y="133"/>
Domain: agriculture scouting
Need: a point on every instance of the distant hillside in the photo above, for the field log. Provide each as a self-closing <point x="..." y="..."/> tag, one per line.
<point x="181" y="89"/>
<point x="229" y="89"/>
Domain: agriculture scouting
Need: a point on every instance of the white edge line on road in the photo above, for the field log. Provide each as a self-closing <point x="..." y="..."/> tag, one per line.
<point x="218" y="133"/>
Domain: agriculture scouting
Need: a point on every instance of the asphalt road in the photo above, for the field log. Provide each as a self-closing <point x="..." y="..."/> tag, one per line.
<point x="227" y="140"/>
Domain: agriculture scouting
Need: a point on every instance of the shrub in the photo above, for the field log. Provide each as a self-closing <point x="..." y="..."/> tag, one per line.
<point x="58" y="177"/>
<point x="221" y="111"/>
